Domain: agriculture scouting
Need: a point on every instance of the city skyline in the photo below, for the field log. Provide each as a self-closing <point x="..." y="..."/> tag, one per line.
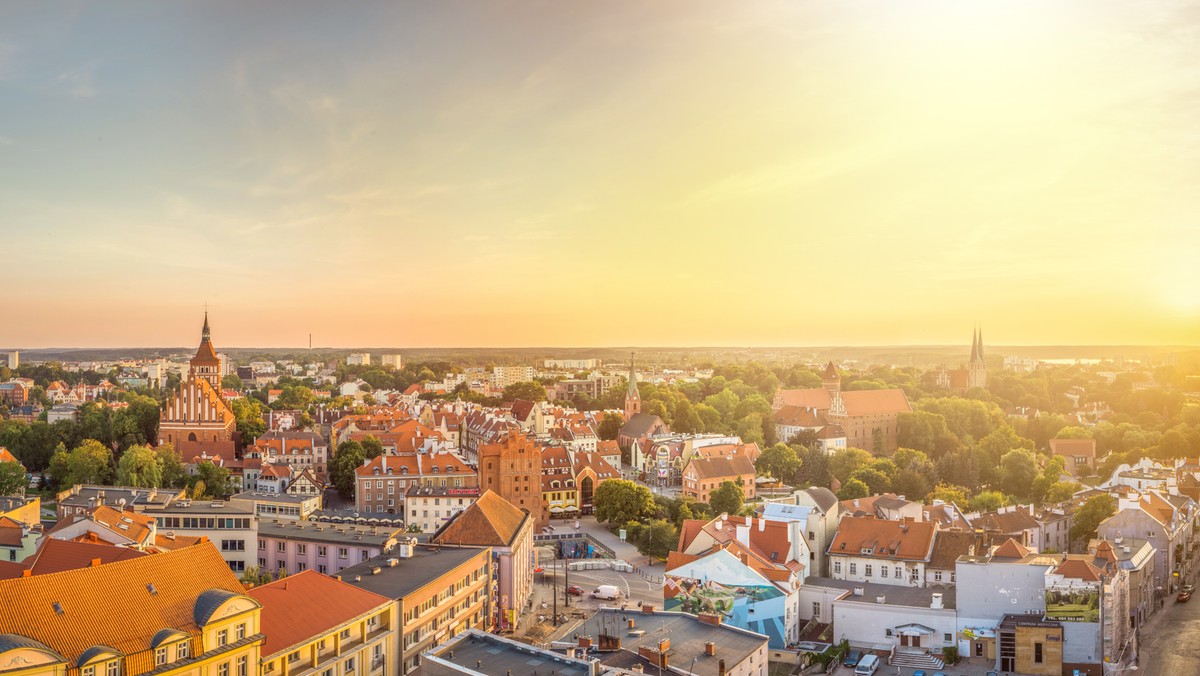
<point x="757" y="174"/>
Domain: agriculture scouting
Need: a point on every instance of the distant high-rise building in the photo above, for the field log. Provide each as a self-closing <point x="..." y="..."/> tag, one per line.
<point x="14" y="359"/>
<point x="359" y="359"/>
<point x="393" y="360"/>
<point x="503" y="376"/>
<point x="571" y="364"/>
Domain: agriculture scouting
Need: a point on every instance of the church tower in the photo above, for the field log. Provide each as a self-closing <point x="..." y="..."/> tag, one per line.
<point x="831" y="380"/>
<point x="206" y="365"/>
<point x="976" y="368"/>
<point x="633" y="400"/>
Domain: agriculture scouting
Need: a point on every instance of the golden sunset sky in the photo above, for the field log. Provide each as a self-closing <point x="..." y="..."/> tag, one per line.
<point x="600" y="173"/>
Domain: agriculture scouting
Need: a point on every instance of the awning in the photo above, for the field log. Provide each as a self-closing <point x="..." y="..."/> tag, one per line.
<point x="556" y="509"/>
<point x="913" y="630"/>
<point x="571" y="508"/>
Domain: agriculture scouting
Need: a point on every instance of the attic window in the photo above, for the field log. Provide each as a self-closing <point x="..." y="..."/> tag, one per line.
<point x="58" y="609"/>
<point x="152" y="589"/>
<point x="774" y="555"/>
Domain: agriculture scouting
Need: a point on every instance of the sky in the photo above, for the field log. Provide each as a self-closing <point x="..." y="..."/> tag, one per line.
<point x="669" y="173"/>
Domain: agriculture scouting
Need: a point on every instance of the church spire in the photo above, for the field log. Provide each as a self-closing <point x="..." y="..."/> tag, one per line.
<point x="205" y="334"/>
<point x="974" y="345"/>
<point x="633" y="400"/>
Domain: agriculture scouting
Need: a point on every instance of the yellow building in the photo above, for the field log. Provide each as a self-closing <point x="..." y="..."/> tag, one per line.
<point x="180" y="612"/>
<point x="316" y="624"/>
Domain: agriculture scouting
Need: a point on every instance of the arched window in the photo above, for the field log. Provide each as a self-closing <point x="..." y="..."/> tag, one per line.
<point x="192" y="436"/>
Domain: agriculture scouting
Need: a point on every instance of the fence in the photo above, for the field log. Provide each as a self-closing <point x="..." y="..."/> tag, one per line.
<point x="605" y="552"/>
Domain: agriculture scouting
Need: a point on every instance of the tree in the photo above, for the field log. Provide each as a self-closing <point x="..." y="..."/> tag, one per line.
<point x="1088" y="517"/>
<point x="139" y="467"/>
<point x="685" y="420"/>
<point x="711" y="418"/>
<point x="170" y="464"/>
<point x="528" y="390"/>
<point x="912" y="484"/>
<point x="89" y="463"/>
<point x="611" y="426"/>
<point x="296" y="397"/>
<point x="1061" y="491"/>
<point x="814" y="467"/>
<point x="12" y="478"/>
<point x="658" y="538"/>
<point x="248" y="413"/>
<point x="988" y="501"/>
<point x="845" y="461"/>
<point x="726" y="498"/>
<point x="750" y="429"/>
<point x="372" y="447"/>
<point x="232" y="382"/>
<point x="921" y="430"/>
<point x="852" y="490"/>
<point x="349" y="457"/>
<point x="1018" y="469"/>
<point x="214" y="478"/>
<point x="779" y="461"/>
<point x="950" y="494"/>
<point x="877" y="482"/>
<point x="620" y="500"/>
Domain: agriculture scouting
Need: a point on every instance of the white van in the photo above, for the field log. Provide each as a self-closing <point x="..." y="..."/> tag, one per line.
<point x="868" y="665"/>
<point x="607" y="592"/>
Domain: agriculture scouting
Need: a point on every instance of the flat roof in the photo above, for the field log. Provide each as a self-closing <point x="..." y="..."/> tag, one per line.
<point x="256" y="496"/>
<point x="687" y="633"/>
<point x="203" y="507"/>
<point x="476" y="651"/>
<point x="313" y="531"/>
<point x="409" y="574"/>
<point x="894" y="595"/>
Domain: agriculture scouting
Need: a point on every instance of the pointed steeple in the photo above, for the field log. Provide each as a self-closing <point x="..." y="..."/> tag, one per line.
<point x="974" y="345"/>
<point x="633" y="400"/>
<point x="205" y="334"/>
<point x="979" y="352"/>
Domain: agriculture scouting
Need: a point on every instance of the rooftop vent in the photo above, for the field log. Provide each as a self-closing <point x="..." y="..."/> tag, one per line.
<point x="152" y="589"/>
<point x="58" y="609"/>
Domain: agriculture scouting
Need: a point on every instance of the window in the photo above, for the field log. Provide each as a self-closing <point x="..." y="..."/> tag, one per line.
<point x="88" y="671"/>
<point x="293" y="657"/>
<point x="899" y="572"/>
<point x="281" y="546"/>
<point x="937" y="576"/>
<point x="854" y="568"/>
<point x="113" y="668"/>
<point x="867" y="569"/>
<point x="349" y="666"/>
<point x="1037" y="653"/>
<point x="887" y="632"/>
<point x="182" y="650"/>
<point x="837" y="567"/>
<point x="262" y="544"/>
<point x="345" y="633"/>
<point x="223" y="669"/>
<point x="301" y="567"/>
<point x="233" y="545"/>
<point x="160" y="655"/>
<point x="883" y="571"/>
<point x="222" y="639"/>
<point x="322" y="568"/>
<point x="816" y="608"/>
<point x="239" y="632"/>
<point x="946" y="638"/>
<point x="241" y="666"/>
<point x="322" y="551"/>
<point x="302" y="549"/>
<point x="379" y="483"/>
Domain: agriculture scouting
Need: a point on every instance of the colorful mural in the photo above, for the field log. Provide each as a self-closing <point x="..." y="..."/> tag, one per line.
<point x="720" y="583"/>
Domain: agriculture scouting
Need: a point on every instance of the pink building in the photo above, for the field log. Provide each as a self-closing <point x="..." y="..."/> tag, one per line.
<point x="296" y="546"/>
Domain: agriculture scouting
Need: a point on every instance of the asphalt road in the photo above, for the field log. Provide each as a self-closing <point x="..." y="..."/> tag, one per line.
<point x="1171" y="645"/>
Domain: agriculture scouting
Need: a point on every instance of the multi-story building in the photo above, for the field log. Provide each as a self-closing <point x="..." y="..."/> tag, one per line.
<point x="354" y="631"/>
<point x="465" y="653"/>
<point x="392" y="360"/>
<point x="231" y="525"/>
<point x="196" y="412"/>
<point x="867" y="417"/>
<point x="382" y="482"/>
<point x="702" y="476"/>
<point x="79" y="499"/>
<point x="1154" y="518"/>
<point x="359" y="359"/>
<point x="180" y="613"/>
<point x="512" y="468"/>
<point x="441" y="592"/>
<point x="496" y="523"/>
<point x="430" y="507"/>
<point x="816" y="508"/>
<point x="13" y="394"/>
<point x="570" y="364"/>
<point x="300" y="450"/>
<point x="866" y="549"/>
<point x="503" y="376"/>
<point x="281" y="506"/>
<point x="296" y="546"/>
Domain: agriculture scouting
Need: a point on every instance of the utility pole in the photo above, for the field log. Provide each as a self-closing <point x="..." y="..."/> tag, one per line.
<point x="556" y="593"/>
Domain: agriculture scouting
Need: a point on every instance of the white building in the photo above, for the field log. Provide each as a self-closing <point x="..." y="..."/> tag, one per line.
<point x="503" y="376"/>
<point x="393" y="360"/>
<point x="359" y="359"/>
<point x="571" y="364"/>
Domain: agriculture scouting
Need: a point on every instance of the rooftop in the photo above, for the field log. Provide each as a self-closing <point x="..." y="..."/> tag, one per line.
<point x="315" y="531"/>
<point x="257" y="496"/>
<point x="467" y="652"/>
<point x="287" y="617"/>
<point x="205" y="507"/>
<point x="894" y="595"/>
<point x="409" y="574"/>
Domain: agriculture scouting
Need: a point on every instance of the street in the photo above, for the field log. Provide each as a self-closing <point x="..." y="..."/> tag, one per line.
<point x="1171" y="643"/>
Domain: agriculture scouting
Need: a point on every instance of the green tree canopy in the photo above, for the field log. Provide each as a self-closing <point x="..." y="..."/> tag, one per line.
<point x="12" y="478"/>
<point x="658" y="538"/>
<point x="845" y="461"/>
<point x="139" y="467"/>
<point x="1090" y="514"/>
<point x="620" y="500"/>
<point x="610" y="426"/>
<point x="528" y="390"/>
<point x="779" y="461"/>
<point x="852" y="490"/>
<point x="726" y="498"/>
<point x="1018" y="469"/>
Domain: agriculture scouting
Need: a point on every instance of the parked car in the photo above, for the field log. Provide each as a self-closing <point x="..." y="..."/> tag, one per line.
<point x="867" y="666"/>
<point x="1189" y="588"/>
<point x="1184" y="597"/>
<point x="851" y="659"/>
<point x="575" y="590"/>
<point x="607" y="592"/>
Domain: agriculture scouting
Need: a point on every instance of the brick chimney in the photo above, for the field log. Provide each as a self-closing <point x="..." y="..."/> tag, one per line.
<point x="710" y="618"/>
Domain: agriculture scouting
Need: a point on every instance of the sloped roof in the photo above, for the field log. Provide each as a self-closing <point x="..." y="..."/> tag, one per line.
<point x="1079" y="569"/>
<point x="948" y="546"/>
<point x="1010" y="550"/>
<point x="857" y="402"/>
<point x="717" y="468"/>
<point x="11" y="569"/>
<point x="882" y="538"/>
<point x="6" y="456"/>
<point x="1086" y="447"/>
<point x="521" y="409"/>
<point x="799" y="416"/>
<point x="113" y="604"/>
<point x="11" y="532"/>
<point x="640" y="424"/>
<point x="287" y="605"/>
<point x="55" y="556"/>
<point x="489" y="521"/>
<point x="823" y="497"/>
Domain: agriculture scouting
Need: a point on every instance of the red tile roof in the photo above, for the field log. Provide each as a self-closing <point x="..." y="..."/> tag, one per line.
<point x="11" y="569"/>
<point x="885" y="539"/>
<point x="11" y="532"/>
<point x="55" y="556"/>
<point x="1010" y="550"/>
<point x="490" y="520"/>
<point x="6" y="456"/>
<point x="1079" y="569"/>
<point x="288" y="619"/>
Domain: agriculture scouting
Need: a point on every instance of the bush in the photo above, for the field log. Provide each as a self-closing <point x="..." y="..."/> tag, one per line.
<point x="950" y="655"/>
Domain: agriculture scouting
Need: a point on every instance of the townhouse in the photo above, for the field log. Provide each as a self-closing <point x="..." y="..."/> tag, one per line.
<point x="866" y="549"/>
<point x="296" y="546"/>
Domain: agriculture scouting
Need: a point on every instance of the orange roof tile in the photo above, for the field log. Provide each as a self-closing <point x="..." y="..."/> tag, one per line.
<point x="1010" y="550"/>
<point x="490" y="520"/>
<point x="287" y="616"/>
<point x="1079" y="569"/>
<point x="882" y="538"/>
<point x="11" y="569"/>
<point x="55" y="556"/>
<point x="113" y="604"/>
<point x="6" y="456"/>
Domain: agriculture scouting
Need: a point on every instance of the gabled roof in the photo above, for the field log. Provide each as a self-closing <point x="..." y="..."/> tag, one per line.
<point x="948" y="546"/>
<point x="884" y="539"/>
<point x="1010" y="550"/>
<point x="55" y="556"/>
<point x="287" y="605"/>
<point x="858" y="402"/>
<point x="521" y="409"/>
<point x="6" y="456"/>
<point x="12" y="532"/>
<point x="9" y="570"/>
<point x="640" y="424"/>
<point x="489" y="521"/>
<point x="824" y="498"/>
<point x="719" y="468"/>
<point x="122" y="604"/>
<point x="1079" y="569"/>
<point x="1085" y="447"/>
<point x="799" y="416"/>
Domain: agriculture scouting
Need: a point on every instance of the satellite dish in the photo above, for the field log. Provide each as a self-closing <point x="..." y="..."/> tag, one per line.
<point x="121" y="502"/>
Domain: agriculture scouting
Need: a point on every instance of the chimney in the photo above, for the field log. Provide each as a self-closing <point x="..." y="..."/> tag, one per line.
<point x="859" y="591"/>
<point x="937" y="601"/>
<point x="585" y="641"/>
<point x="631" y="623"/>
<point x="721" y="668"/>
<point x="95" y="563"/>
<point x="647" y="608"/>
<point x="664" y="645"/>
<point x="710" y="618"/>
<point x="710" y="649"/>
